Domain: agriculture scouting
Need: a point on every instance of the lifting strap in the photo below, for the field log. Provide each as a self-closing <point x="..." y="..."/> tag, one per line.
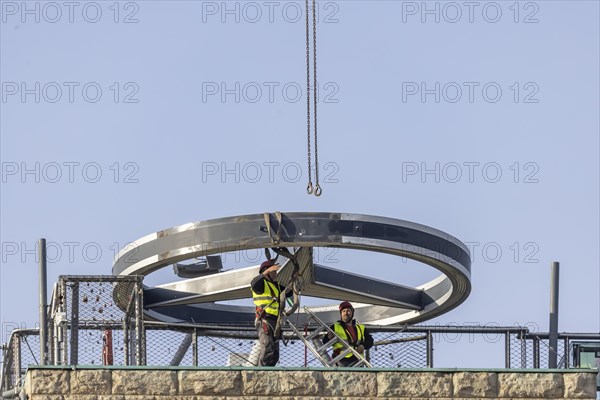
<point x="277" y="238"/>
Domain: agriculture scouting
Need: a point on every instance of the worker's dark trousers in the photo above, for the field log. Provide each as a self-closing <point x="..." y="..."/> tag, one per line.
<point x="347" y="362"/>
<point x="269" y="345"/>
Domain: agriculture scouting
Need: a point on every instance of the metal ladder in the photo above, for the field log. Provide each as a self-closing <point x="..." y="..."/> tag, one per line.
<point x="320" y="350"/>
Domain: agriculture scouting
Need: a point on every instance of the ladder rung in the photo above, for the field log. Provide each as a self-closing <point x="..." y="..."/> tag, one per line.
<point x="343" y="354"/>
<point x="312" y="335"/>
<point x="359" y="362"/>
<point x="327" y="345"/>
<point x="320" y="351"/>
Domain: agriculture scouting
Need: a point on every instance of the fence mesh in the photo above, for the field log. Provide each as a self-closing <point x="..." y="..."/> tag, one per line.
<point x="91" y="315"/>
<point x="534" y="352"/>
<point x="169" y="347"/>
<point x="175" y="347"/>
<point x="97" y="311"/>
<point x="22" y="350"/>
<point x="30" y="349"/>
<point x="519" y="356"/>
<point x="402" y="350"/>
<point x="546" y="351"/>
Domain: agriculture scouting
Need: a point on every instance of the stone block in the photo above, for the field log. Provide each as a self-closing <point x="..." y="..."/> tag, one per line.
<point x="140" y="382"/>
<point x="207" y="398"/>
<point x="213" y="398"/>
<point x="546" y="385"/>
<point x="414" y="384"/>
<point x="94" y="382"/>
<point x="306" y="398"/>
<point x="261" y="383"/>
<point x="27" y="382"/>
<point x="580" y="385"/>
<point x="361" y="383"/>
<point x="48" y="381"/>
<point x="151" y="397"/>
<point x="475" y="384"/>
<point x="301" y="383"/>
<point x="209" y="383"/>
<point x="45" y="397"/>
<point x="356" y="398"/>
<point x="142" y="397"/>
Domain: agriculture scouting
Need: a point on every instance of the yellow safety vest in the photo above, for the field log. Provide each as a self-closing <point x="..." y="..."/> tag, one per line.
<point x="341" y="332"/>
<point x="269" y="300"/>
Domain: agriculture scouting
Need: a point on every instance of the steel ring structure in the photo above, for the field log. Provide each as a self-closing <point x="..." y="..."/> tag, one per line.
<point x="378" y="302"/>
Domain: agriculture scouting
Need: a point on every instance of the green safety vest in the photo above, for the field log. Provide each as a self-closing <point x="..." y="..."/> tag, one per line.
<point x="269" y="300"/>
<point x="343" y="334"/>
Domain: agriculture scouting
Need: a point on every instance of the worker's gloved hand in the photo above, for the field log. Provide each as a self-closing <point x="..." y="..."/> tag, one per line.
<point x="273" y="268"/>
<point x="329" y="335"/>
<point x="360" y="349"/>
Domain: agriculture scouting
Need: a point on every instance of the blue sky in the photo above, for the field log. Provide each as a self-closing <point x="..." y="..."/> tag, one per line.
<point x="119" y="119"/>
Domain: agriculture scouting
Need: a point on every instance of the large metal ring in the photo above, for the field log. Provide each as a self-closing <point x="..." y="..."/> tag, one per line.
<point x="380" y="302"/>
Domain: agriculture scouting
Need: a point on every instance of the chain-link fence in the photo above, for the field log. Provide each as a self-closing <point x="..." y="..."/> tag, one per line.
<point x="517" y="354"/>
<point x="200" y="347"/>
<point x="400" y="350"/>
<point x="534" y="350"/>
<point x="22" y="350"/>
<point x="169" y="345"/>
<point x="98" y="320"/>
<point x="88" y="312"/>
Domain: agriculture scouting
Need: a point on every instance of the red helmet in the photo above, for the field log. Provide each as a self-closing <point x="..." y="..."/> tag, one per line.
<point x="265" y="265"/>
<point x="346" y="304"/>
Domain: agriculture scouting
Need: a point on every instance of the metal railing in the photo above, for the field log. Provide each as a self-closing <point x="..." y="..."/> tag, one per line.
<point x="85" y="304"/>
<point x="541" y="349"/>
<point x="168" y="345"/>
<point x="98" y="320"/>
<point x="17" y="355"/>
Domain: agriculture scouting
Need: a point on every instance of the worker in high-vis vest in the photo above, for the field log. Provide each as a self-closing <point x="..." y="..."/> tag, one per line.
<point x="356" y="335"/>
<point x="265" y="294"/>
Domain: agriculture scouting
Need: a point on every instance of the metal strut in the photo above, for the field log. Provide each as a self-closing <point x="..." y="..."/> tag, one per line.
<point x="283" y="251"/>
<point x="295" y="282"/>
<point x="275" y="238"/>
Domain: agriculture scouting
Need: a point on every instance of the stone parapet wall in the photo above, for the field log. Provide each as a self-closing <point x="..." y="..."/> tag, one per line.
<point x="198" y="384"/>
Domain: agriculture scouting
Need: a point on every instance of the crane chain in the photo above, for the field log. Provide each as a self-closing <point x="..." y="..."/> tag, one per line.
<point x="316" y="190"/>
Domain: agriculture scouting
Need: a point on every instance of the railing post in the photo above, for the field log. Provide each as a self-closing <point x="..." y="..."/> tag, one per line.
<point x="523" y="350"/>
<point x="429" y="350"/>
<point x="5" y="362"/>
<point x="139" y="324"/>
<point x="536" y="352"/>
<point x="195" y="347"/>
<point x="74" y="342"/>
<point x="56" y="336"/>
<point x="63" y="325"/>
<point x="566" y="352"/>
<point x="5" y="379"/>
<point x="50" y="334"/>
<point x="17" y="359"/>
<point x="43" y="300"/>
<point x="507" y="349"/>
<point x="138" y="333"/>
<point x="553" y="323"/>
<point x="65" y="335"/>
<point x="126" y="353"/>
